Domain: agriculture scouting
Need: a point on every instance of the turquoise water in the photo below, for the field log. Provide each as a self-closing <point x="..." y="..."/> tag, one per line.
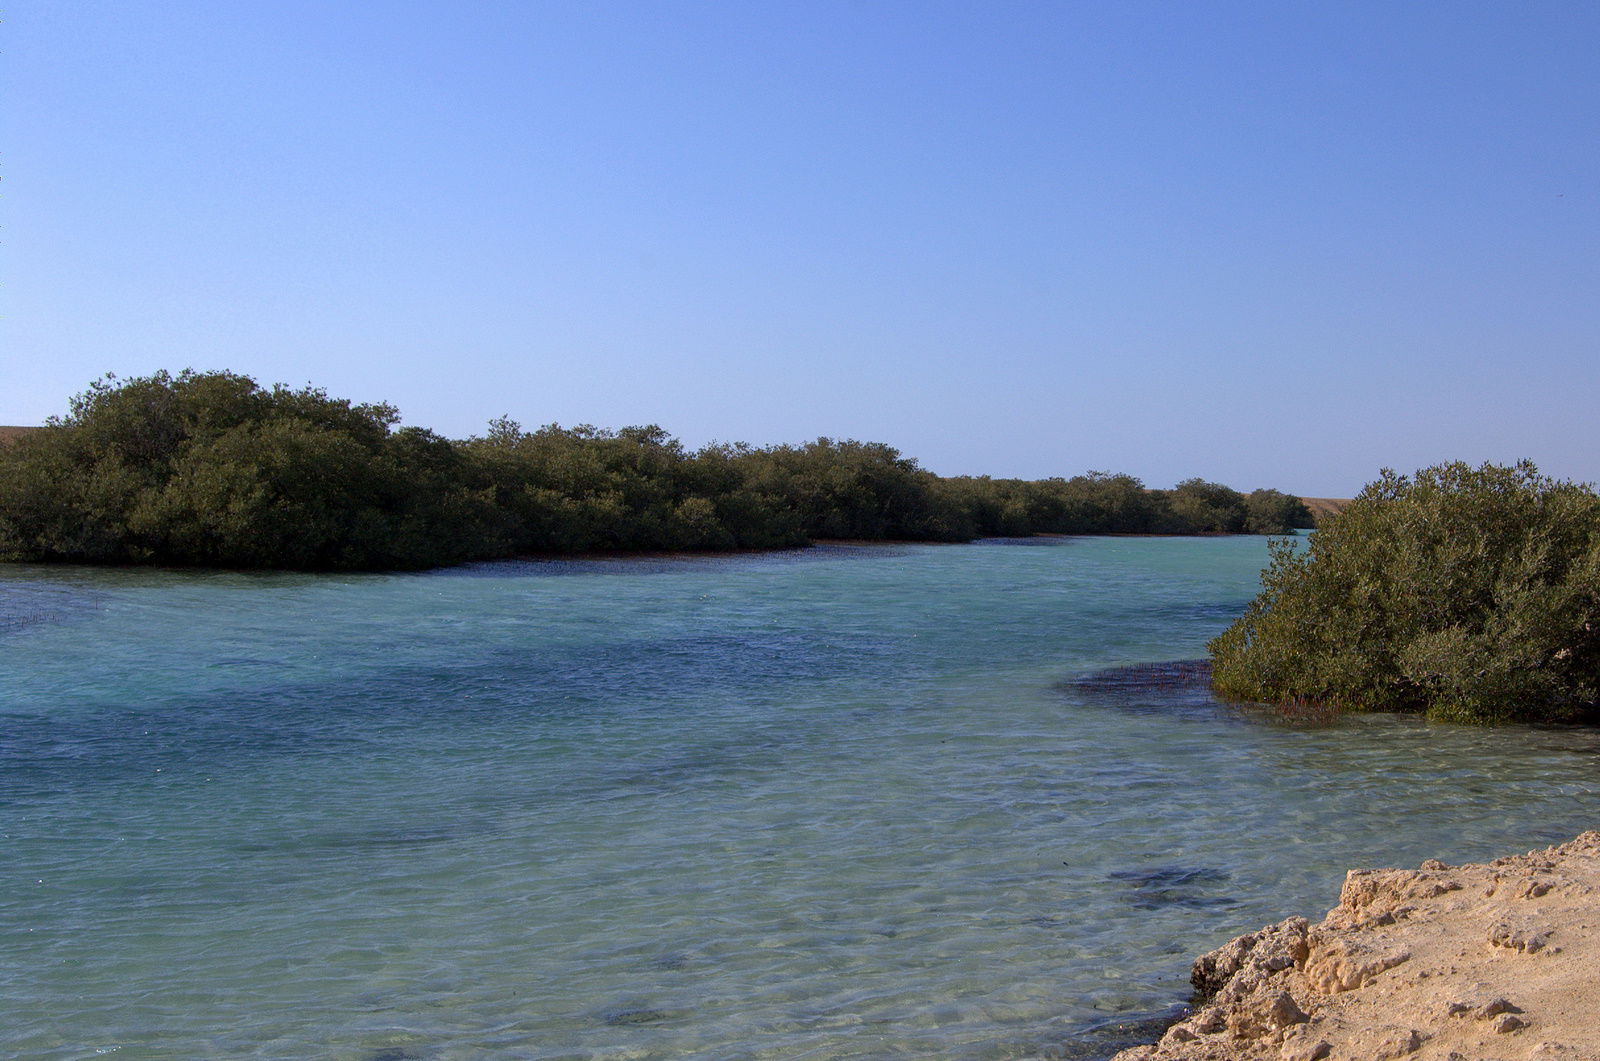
<point x="844" y="802"/>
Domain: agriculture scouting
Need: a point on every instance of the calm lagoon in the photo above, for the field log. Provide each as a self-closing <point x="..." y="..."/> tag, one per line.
<point x="840" y="802"/>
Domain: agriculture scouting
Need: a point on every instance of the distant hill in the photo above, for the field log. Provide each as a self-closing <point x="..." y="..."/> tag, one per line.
<point x="9" y="433"/>
<point x="1322" y="507"/>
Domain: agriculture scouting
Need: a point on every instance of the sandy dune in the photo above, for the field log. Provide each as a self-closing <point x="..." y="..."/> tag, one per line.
<point x="9" y="433"/>
<point x="1322" y="507"/>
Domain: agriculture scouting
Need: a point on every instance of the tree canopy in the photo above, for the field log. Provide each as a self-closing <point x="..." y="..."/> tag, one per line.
<point x="1469" y="594"/>
<point x="212" y="469"/>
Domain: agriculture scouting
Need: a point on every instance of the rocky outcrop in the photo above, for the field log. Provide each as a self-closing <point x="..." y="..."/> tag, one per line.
<point x="1492" y="962"/>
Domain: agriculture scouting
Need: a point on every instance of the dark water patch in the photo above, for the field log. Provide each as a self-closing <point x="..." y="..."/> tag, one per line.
<point x="44" y="752"/>
<point x="1190" y="887"/>
<point x="1221" y="612"/>
<point x="1180" y="674"/>
<point x="43" y="748"/>
<point x="392" y="1053"/>
<point x="630" y="1017"/>
<point x="671" y="963"/>
<point x="377" y="838"/>
<point x="394" y="838"/>
<point x="1102" y="1041"/>
<point x="1179" y="690"/>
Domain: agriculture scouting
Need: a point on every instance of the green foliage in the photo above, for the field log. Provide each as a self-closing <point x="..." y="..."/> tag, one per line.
<point x="212" y="469"/>
<point x="850" y="489"/>
<point x="584" y="489"/>
<point x="1468" y="594"/>
<point x="1207" y="508"/>
<point x="1106" y="503"/>
<point x="1271" y="512"/>
<point x="62" y="500"/>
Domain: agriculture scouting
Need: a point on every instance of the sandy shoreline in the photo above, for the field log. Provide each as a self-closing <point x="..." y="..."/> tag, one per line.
<point x="1497" y="961"/>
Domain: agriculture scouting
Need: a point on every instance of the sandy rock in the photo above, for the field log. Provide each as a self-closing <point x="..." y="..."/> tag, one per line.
<point x="1369" y="895"/>
<point x="1339" y="963"/>
<point x="1492" y="962"/>
<point x="1496" y="1007"/>
<point x="1305" y="1051"/>
<point x="1509" y="1022"/>
<point x="1407" y="1042"/>
<point x="1518" y="937"/>
<point x="1256" y="955"/>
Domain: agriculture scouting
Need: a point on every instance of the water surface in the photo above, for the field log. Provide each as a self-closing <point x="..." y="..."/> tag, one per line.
<point x="842" y="802"/>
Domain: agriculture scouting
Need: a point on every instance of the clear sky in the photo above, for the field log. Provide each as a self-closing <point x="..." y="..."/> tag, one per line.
<point x="1266" y="243"/>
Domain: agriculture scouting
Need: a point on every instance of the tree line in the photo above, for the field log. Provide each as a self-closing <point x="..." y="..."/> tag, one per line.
<point x="212" y="469"/>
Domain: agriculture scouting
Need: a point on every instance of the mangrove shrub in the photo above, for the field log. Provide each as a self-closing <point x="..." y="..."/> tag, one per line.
<point x="1470" y="594"/>
<point x="211" y="469"/>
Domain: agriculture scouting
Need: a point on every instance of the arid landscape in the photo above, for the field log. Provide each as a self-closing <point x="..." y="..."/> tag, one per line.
<point x="1489" y="962"/>
<point x="1323" y="507"/>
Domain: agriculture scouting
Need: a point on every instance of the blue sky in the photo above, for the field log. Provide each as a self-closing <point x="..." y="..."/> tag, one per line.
<point x="1270" y="244"/>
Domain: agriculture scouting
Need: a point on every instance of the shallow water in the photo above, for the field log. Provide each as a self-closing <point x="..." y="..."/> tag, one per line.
<point x="845" y="802"/>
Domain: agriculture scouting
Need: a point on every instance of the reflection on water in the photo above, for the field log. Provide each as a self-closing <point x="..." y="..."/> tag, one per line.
<point x="845" y="802"/>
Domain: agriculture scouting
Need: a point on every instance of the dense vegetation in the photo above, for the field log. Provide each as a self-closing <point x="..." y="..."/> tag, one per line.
<point x="211" y="469"/>
<point x="1468" y="594"/>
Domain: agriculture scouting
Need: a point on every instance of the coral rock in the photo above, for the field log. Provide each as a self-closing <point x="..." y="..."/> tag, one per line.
<point x="1400" y="968"/>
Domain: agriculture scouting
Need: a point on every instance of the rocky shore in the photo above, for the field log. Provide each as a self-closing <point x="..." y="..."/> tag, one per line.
<point x="1491" y="962"/>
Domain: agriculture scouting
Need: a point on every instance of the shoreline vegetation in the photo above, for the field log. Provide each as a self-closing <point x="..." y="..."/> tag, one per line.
<point x="210" y="469"/>
<point x="1465" y="594"/>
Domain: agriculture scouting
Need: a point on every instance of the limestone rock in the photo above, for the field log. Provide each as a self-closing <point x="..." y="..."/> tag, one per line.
<point x="1303" y="1051"/>
<point x="1407" y="1042"/>
<point x="1401" y="969"/>
<point x="1496" y="1007"/>
<point x="1272" y="949"/>
<point x="1378" y="895"/>
<point x="1339" y="963"/>
<point x="1518" y="937"/>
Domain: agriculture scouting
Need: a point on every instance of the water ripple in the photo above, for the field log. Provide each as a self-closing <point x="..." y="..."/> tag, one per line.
<point x="832" y="804"/>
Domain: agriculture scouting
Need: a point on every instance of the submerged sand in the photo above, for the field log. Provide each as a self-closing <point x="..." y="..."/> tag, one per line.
<point x="1491" y="962"/>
